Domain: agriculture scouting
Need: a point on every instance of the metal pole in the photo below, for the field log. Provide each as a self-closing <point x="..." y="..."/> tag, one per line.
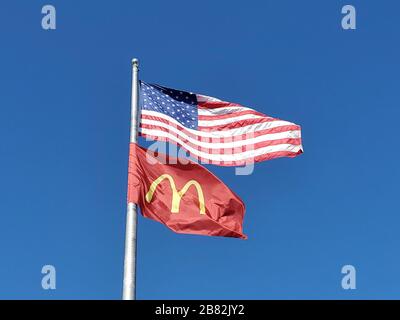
<point x="129" y="286"/>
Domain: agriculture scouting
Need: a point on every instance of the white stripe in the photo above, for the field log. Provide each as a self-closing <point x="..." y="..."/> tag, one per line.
<point x="248" y="154"/>
<point x="220" y="111"/>
<point x="204" y="98"/>
<point x="221" y="144"/>
<point x="211" y="123"/>
<point x="218" y="134"/>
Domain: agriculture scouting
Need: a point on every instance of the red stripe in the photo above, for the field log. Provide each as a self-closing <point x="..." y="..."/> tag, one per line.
<point x="244" y="136"/>
<point x="238" y="124"/>
<point x="263" y="157"/>
<point x="216" y="104"/>
<point x="269" y="156"/>
<point x="231" y="114"/>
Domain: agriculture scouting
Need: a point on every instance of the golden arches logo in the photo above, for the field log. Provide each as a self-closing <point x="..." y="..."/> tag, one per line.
<point x="177" y="195"/>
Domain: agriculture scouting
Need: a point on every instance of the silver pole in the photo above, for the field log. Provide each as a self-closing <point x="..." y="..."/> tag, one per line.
<point x="129" y="286"/>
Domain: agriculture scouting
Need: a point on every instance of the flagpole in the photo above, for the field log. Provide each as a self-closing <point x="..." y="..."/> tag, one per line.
<point x="129" y="284"/>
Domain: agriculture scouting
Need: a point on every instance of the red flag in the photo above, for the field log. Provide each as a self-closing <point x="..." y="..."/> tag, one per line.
<point x="187" y="198"/>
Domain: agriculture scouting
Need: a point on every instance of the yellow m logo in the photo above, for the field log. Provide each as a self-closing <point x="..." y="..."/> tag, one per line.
<point x="177" y="195"/>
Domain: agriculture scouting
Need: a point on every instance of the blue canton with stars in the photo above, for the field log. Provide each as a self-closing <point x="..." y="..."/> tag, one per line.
<point x="180" y="105"/>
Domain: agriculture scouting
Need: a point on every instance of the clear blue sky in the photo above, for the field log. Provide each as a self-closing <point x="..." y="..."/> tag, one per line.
<point x="64" y="128"/>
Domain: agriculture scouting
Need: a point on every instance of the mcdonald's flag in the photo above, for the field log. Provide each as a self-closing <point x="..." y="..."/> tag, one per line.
<point x="187" y="198"/>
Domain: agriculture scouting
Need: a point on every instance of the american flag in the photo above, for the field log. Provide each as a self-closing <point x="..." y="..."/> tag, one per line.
<point x="214" y="131"/>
